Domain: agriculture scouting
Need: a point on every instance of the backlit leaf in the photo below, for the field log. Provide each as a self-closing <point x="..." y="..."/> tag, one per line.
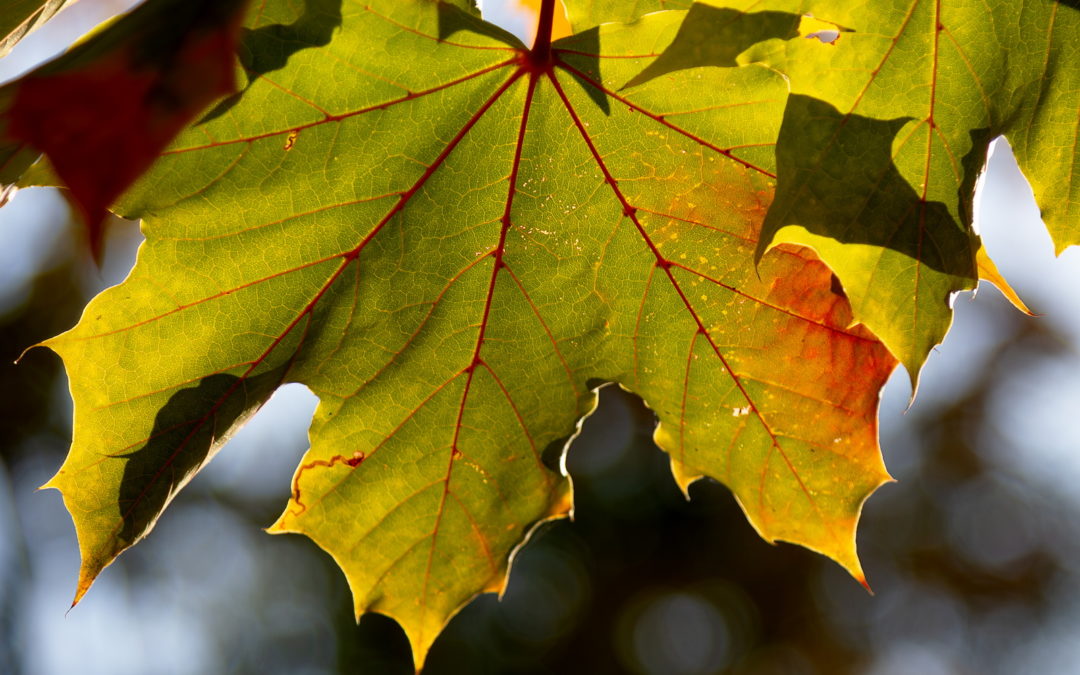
<point x="933" y="83"/>
<point x="888" y="128"/>
<point x="453" y="243"/>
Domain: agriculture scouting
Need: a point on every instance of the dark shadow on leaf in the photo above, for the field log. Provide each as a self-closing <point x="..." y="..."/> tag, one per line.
<point x="160" y="42"/>
<point x="585" y="47"/>
<point x="836" y="178"/>
<point x="1072" y="4"/>
<point x="264" y="50"/>
<point x="190" y="426"/>
<point x="711" y="36"/>
<point x="836" y="286"/>
<point x="453" y="19"/>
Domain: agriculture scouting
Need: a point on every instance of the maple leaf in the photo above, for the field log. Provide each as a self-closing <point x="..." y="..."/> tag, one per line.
<point x="105" y="110"/>
<point x="888" y="130"/>
<point x="453" y="241"/>
<point x="934" y="83"/>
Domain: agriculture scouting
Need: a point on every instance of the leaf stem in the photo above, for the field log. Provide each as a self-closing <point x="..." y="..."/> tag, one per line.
<point x="540" y="55"/>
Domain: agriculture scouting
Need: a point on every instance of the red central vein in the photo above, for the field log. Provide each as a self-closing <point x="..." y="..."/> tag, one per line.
<point x="405" y="196"/>
<point x="541" y="50"/>
<point x="661" y="119"/>
<point x="663" y="263"/>
<point x="346" y="259"/>
<point x="470" y="370"/>
<point x="429" y="171"/>
<point x="419" y="328"/>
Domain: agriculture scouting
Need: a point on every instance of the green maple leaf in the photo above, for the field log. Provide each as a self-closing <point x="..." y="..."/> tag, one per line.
<point x="888" y="129"/>
<point x="453" y="241"/>
<point x="934" y="83"/>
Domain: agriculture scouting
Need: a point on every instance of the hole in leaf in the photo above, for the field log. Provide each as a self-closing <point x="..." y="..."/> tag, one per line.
<point x="811" y="28"/>
<point x="827" y="36"/>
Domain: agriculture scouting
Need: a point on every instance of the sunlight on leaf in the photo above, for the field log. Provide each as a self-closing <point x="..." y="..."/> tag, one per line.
<point x="452" y="250"/>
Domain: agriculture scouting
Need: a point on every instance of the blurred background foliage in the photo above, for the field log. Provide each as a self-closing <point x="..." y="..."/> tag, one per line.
<point x="972" y="554"/>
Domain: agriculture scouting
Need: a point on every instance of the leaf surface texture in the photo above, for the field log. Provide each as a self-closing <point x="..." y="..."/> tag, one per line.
<point x="453" y="246"/>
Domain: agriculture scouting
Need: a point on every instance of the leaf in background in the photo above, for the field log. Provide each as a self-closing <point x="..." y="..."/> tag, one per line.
<point x="452" y="245"/>
<point x="22" y="17"/>
<point x="888" y="130"/>
<point x="106" y="109"/>
<point x="886" y="134"/>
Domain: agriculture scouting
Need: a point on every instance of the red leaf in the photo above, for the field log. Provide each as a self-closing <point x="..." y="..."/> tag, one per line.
<point x="102" y="123"/>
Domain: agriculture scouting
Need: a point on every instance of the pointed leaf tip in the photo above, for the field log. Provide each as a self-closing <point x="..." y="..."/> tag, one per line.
<point x="865" y="584"/>
<point x="683" y="479"/>
<point x="988" y="271"/>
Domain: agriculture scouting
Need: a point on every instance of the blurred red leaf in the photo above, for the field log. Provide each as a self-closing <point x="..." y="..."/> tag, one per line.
<point x="103" y="119"/>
